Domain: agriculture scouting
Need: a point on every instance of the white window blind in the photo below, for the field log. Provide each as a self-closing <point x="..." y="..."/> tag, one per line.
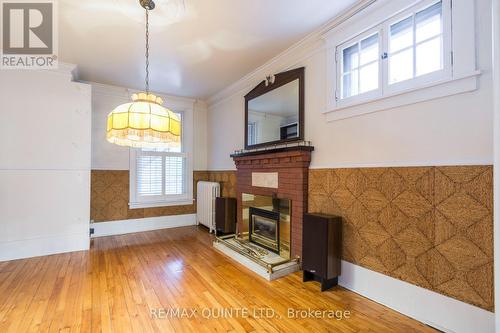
<point x="149" y="175"/>
<point x="159" y="176"/>
<point x="174" y="175"/>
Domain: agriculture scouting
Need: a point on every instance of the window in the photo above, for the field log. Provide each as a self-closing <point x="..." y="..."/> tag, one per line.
<point x="252" y="133"/>
<point x="360" y="66"/>
<point x="399" y="53"/>
<point x="404" y="52"/>
<point x="159" y="176"/>
<point x="416" y="44"/>
<point x="160" y="172"/>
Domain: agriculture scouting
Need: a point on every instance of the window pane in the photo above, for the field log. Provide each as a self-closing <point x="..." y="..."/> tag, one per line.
<point x="428" y="22"/>
<point x="169" y="147"/>
<point x="174" y="175"/>
<point x="149" y="175"/>
<point x="401" y="35"/>
<point x="350" y="84"/>
<point x="177" y="148"/>
<point x="369" y="49"/>
<point x="252" y="133"/>
<point x="429" y="56"/>
<point x="368" y="77"/>
<point x="401" y="66"/>
<point x="350" y="58"/>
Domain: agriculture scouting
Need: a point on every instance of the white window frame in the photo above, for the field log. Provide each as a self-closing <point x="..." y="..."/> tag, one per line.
<point x="459" y="73"/>
<point x="366" y="96"/>
<point x="445" y="74"/>
<point x="138" y="201"/>
<point x="255" y="133"/>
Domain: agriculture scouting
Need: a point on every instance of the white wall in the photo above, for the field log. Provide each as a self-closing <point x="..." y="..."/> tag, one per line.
<point x="107" y="156"/>
<point x="454" y="130"/>
<point x="450" y="130"/>
<point x="225" y="132"/>
<point x="200" y="135"/>
<point x="45" y="165"/>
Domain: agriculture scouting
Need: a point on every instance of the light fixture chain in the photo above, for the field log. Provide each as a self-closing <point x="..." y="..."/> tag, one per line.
<point x="147" y="51"/>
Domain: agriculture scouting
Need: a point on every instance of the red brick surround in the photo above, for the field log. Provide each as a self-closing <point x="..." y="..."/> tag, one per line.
<point x="292" y="167"/>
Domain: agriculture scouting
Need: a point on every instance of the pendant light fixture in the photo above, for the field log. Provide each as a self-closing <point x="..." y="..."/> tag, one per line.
<point x="144" y="123"/>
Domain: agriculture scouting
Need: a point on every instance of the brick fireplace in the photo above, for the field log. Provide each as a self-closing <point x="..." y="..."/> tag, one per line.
<point x="257" y="173"/>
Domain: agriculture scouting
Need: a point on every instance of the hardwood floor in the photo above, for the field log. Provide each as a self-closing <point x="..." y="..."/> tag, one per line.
<point x="116" y="285"/>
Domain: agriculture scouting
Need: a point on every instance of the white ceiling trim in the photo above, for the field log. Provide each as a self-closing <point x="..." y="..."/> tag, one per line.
<point x="296" y="53"/>
<point x="65" y="69"/>
<point x="170" y="101"/>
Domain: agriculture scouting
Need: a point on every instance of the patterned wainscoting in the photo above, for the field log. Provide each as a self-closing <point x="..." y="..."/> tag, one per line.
<point x="110" y="195"/>
<point x="227" y="179"/>
<point x="429" y="226"/>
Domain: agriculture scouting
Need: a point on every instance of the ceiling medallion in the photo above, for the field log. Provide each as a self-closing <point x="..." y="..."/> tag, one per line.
<point x="167" y="12"/>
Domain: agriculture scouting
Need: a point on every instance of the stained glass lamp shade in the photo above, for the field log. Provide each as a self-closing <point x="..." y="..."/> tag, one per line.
<point x="143" y="123"/>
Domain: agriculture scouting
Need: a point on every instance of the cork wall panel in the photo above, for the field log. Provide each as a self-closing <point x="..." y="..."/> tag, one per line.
<point x="110" y="195"/>
<point x="429" y="226"/>
<point x="227" y="180"/>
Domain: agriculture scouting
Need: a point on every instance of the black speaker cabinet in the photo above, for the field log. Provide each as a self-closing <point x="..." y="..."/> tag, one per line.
<point x="225" y="215"/>
<point x="321" y="249"/>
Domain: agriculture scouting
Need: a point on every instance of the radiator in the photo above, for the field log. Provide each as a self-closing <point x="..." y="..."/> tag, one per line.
<point x="205" y="203"/>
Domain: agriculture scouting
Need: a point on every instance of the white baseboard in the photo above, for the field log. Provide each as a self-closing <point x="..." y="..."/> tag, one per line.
<point x="145" y="224"/>
<point x="43" y="246"/>
<point x="436" y="310"/>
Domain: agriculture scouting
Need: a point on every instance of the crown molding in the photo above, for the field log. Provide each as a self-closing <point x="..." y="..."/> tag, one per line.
<point x="201" y="104"/>
<point x="108" y="90"/>
<point x="70" y="71"/>
<point x="63" y="68"/>
<point x="124" y="93"/>
<point x="352" y="14"/>
<point x="303" y="49"/>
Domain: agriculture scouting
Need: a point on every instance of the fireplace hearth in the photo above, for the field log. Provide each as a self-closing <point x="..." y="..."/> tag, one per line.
<point x="263" y="239"/>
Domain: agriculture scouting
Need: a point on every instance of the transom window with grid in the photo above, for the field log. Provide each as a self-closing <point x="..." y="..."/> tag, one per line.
<point x="408" y="50"/>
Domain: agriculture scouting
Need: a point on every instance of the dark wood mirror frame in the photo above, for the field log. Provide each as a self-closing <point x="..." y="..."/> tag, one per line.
<point x="280" y="80"/>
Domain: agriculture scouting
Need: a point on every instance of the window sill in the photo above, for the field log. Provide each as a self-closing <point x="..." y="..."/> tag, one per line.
<point x="169" y="203"/>
<point x="465" y="83"/>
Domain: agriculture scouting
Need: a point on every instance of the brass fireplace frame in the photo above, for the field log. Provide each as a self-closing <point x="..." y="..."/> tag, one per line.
<point x="254" y="237"/>
<point x="271" y="204"/>
<point x="240" y="242"/>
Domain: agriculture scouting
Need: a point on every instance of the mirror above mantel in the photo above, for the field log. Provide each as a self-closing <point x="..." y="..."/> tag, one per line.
<point x="274" y="110"/>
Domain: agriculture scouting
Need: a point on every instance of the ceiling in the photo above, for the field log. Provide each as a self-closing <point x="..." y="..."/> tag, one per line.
<point x="198" y="47"/>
